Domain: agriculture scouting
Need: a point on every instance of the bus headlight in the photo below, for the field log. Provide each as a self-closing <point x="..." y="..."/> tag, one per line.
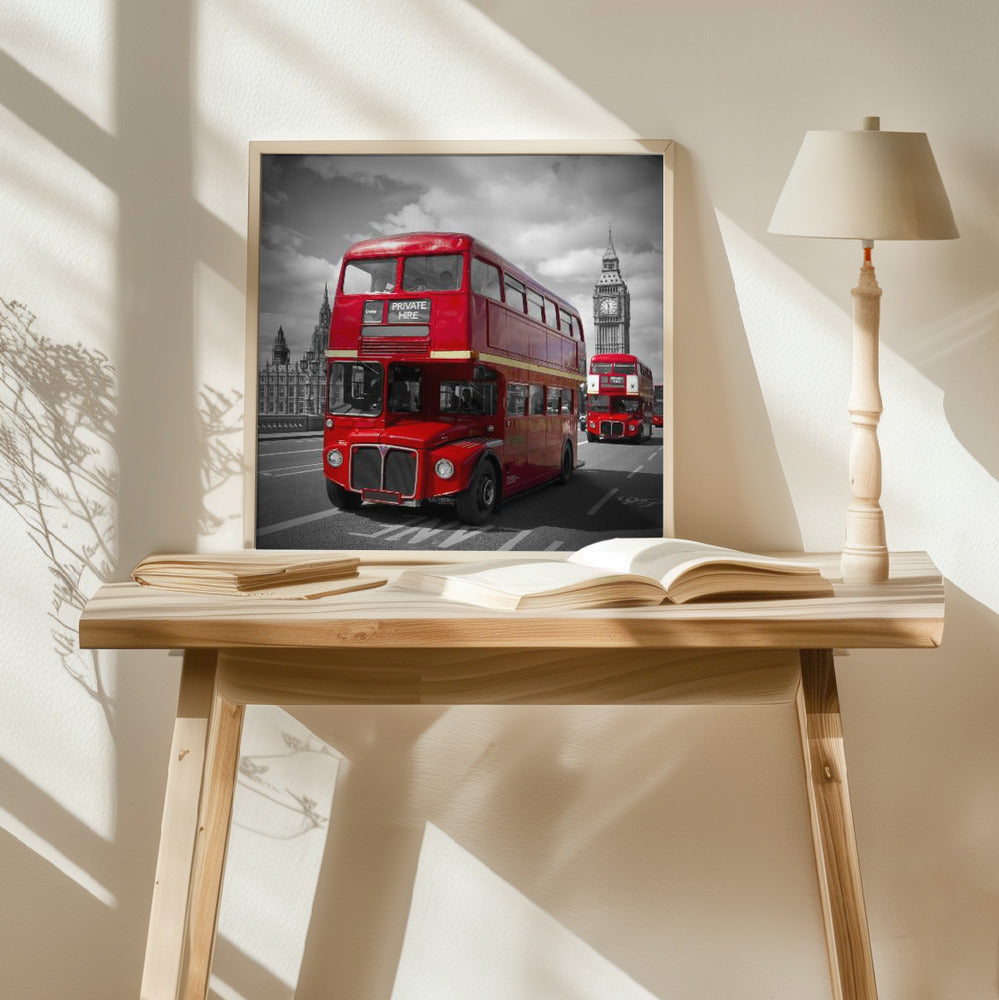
<point x="444" y="468"/>
<point x="335" y="457"/>
<point x="329" y="422"/>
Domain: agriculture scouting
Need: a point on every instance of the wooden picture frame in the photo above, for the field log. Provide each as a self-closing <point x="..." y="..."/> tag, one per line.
<point x="577" y="223"/>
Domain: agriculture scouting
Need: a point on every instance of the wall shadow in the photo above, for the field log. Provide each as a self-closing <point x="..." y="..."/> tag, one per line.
<point x="58" y="405"/>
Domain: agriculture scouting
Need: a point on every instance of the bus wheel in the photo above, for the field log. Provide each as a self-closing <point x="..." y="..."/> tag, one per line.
<point x="566" y="471"/>
<point x="479" y="501"/>
<point x="342" y="498"/>
<point x="590" y="437"/>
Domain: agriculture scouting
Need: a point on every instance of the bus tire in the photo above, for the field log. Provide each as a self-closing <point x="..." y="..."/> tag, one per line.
<point x="477" y="503"/>
<point x="590" y="437"/>
<point x="565" y="471"/>
<point x="339" y="497"/>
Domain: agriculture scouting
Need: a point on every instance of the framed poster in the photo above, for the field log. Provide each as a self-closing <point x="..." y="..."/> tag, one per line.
<point x="458" y="346"/>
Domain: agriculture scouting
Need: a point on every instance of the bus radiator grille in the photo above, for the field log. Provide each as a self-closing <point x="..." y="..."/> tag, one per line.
<point x="612" y="428"/>
<point x="365" y="469"/>
<point x="400" y="471"/>
<point x="393" y="471"/>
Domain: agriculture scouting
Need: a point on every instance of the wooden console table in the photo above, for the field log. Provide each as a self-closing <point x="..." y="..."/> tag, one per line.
<point x="386" y="646"/>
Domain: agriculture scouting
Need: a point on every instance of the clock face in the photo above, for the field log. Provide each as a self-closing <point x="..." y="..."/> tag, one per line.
<point x="608" y="307"/>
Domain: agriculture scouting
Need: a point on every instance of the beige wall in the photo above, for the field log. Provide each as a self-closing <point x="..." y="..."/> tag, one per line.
<point x="122" y="209"/>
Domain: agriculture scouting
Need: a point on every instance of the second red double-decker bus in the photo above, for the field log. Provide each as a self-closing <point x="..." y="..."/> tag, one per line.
<point x="453" y="376"/>
<point x="618" y="399"/>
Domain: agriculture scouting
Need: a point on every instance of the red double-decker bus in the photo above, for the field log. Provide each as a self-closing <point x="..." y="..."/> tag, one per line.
<point x="618" y="399"/>
<point x="452" y="376"/>
<point x="657" y="406"/>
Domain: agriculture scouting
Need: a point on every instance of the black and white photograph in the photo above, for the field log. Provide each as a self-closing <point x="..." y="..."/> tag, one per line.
<point x="459" y="351"/>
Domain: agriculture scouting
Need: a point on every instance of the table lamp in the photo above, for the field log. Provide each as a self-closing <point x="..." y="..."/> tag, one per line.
<point x="866" y="185"/>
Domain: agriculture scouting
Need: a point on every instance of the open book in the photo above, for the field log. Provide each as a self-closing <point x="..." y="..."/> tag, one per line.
<point x="620" y="572"/>
<point x="256" y="574"/>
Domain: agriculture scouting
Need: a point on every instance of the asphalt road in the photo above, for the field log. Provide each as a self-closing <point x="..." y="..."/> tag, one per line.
<point x="617" y="493"/>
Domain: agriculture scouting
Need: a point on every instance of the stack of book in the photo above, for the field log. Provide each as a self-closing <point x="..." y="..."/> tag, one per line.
<point x="254" y="574"/>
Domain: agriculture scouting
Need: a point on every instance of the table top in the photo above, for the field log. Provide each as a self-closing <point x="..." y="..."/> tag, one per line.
<point x="905" y="612"/>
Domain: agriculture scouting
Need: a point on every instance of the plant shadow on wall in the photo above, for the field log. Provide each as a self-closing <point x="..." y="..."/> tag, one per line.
<point x="295" y="813"/>
<point x="220" y="416"/>
<point x="58" y="403"/>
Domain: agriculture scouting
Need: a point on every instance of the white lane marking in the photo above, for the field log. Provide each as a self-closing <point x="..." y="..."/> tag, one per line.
<point x="296" y="521"/>
<point x="601" y="502"/>
<point x="296" y="470"/>
<point x="295" y="451"/>
<point x="513" y="542"/>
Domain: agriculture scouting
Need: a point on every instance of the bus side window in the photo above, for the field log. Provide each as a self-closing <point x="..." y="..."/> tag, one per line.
<point x="534" y="309"/>
<point x="537" y="400"/>
<point x="566" y="324"/>
<point x="551" y="314"/>
<point x="516" y="399"/>
<point x="486" y="280"/>
<point x="515" y="294"/>
<point x="567" y="400"/>
<point x="554" y="399"/>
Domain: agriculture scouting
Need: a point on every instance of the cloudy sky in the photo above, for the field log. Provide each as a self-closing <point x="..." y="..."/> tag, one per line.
<point x="548" y="214"/>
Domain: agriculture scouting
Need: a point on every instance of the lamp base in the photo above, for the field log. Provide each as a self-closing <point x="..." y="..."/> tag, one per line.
<point x="865" y="555"/>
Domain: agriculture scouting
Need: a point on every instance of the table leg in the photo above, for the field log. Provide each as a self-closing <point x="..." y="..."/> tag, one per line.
<point x="197" y="808"/>
<point x="844" y="914"/>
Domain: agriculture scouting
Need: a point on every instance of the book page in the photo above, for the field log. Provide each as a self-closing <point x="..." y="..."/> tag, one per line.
<point x="666" y="559"/>
<point x="515" y="578"/>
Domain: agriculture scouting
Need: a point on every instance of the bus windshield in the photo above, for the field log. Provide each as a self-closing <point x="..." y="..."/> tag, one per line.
<point x="362" y="277"/>
<point x="433" y="273"/>
<point x="404" y="384"/>
<point x="355" y="388"/>
<point x="613" y="404"/>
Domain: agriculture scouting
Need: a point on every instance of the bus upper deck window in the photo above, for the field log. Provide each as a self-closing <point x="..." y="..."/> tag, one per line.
<point x="432" y="273"/>
<point x="551" y="315"/>
<point x="515" y="294"/>
<point x="363" y="277"/>
<point x="486" y="280"/>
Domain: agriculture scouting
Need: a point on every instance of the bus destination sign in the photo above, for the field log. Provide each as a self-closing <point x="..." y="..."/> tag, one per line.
<point x="409" y="311"/>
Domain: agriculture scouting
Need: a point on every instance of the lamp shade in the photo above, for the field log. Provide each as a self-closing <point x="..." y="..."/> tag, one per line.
<point x="864" y="185"/>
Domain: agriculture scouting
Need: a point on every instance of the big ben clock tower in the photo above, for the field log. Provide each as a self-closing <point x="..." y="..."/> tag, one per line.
<point x="611" y="306"/>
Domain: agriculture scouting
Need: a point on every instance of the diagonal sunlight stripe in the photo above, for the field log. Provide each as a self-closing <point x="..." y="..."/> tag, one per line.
<point x="55" y="857"/>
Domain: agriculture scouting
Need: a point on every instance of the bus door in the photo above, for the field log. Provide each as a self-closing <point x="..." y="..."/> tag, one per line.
<point x="557" y="431"/>
<point x="538" y="457"/>
<point x="516" y="472"/>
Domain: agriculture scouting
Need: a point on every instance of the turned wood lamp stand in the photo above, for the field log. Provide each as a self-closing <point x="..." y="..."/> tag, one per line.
<point x="865" y="553"/>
